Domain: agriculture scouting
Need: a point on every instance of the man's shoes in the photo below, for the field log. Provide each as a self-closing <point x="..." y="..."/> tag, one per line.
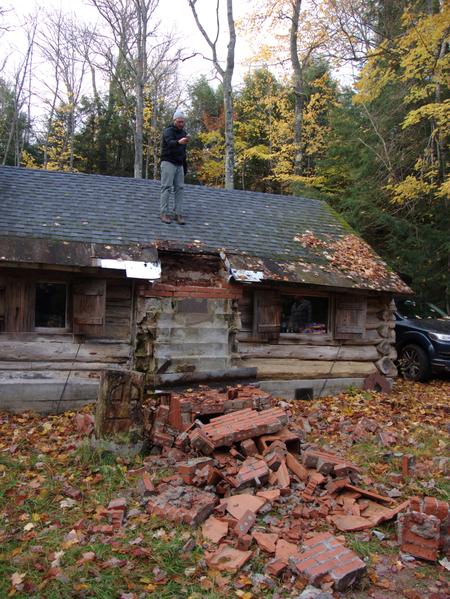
<point x="165" y="218"/>
<point x="179" y="219"/>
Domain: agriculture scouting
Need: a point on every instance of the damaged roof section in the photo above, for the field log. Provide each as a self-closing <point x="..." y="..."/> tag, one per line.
<point x="77" y="253"/>
<point x="264" y="236"/>
<point x="316" y="272"/>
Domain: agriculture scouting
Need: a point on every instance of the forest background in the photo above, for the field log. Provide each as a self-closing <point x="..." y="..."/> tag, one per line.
<point x="93" y="96"/>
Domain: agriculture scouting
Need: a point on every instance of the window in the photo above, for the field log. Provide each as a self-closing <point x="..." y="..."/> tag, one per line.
<point x="51" y="305"/>
<point x="307" y="315"/>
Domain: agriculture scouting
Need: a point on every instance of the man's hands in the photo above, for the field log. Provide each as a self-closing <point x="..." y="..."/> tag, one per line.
<point x="184" y="140"/>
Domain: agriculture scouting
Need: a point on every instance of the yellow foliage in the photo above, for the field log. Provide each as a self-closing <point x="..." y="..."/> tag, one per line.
<point x="444" y="190"/>
<point x="410" y="189"/>
<point x="28" y="161"/>
<point x="439" y="112"/>
<point x="416" y="62"/>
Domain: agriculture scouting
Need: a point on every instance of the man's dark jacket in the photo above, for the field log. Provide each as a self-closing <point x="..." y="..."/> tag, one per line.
<point x="171" y="150"/>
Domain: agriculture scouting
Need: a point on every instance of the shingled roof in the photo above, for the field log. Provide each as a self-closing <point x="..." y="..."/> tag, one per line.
<point x="255" y="231"/>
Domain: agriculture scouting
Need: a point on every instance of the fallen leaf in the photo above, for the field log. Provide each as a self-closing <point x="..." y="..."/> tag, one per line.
<point x="17" y="578"/>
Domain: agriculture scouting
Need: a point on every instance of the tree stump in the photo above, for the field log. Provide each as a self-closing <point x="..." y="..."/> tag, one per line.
<point x="119" y="402"/>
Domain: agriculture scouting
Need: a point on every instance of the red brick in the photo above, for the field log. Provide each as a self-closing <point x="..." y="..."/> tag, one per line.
<point x="325" y="462"/>
<point x="418" y="551"/>
<point x="162" y="439"/>
<point x="248" y="447"/>
<point x="415" y="504"/>
<point x="435" y="507"/>
<point x="188" y="469"/>
<point x="296" y="467"/>
<point x="333" y="554"/>
<point x="118" y="504"/>
<point x="319" y="538"/>
<point x="244" y="542"/>
<point x="325" y="556"/>
<point x="408" y="462"/>
<point x="246" y="522"/>
<point x="276" y="567"/>
<point x="253" y="472"/>
<point x="345" y="575"/>
<point x="239" y="426"/>
<point x="315" y="573"/>
<point x="306" y="565"/>
<point x="419" y="534"/>
<point x="161" y="418"/>
<point x="191" y="506"/>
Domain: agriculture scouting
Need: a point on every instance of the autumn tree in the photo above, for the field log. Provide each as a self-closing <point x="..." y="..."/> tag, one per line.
<point x="226" y="76"/>
<point x="135" y="32"/>
<point x="417" y="65"/>
<point x="60" y="42"/>
<point x="207" y="126"/>
<point x="14" y="135"/>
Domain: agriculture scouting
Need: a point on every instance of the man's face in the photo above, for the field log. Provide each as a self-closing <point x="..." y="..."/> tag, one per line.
<point x="179" y="123"/>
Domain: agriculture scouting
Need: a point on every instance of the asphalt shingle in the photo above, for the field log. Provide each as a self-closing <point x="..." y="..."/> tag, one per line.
<point x="257" y="231"/>
<point x="101" y="209"/>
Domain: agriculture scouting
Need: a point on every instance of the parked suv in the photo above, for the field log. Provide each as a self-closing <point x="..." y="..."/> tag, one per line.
<point x="422" y="339"/>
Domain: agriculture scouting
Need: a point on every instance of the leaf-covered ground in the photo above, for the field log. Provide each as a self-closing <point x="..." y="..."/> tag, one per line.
<point x="55" y="543"/>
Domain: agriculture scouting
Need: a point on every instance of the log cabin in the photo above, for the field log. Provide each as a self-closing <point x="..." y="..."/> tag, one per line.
<point x="255" y="287"/>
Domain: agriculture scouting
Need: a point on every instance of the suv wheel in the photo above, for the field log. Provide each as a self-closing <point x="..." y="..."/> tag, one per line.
<point x="414" y="363"/>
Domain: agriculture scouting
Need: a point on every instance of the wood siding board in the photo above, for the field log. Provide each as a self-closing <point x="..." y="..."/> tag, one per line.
<point x="19" y="308"/>
<point x="309" y="352"/>
<point x="19" y="351"/>
<point x="294" y="368"/>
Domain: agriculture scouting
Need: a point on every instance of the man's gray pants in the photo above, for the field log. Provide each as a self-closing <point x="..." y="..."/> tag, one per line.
<point x="172" y="175"/>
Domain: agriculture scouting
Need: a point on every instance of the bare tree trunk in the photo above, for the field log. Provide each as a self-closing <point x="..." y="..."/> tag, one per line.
<point x="228" y="101"/>
<point x="129" y="23"/>
<point x="298" y="87"/>
<point x="226" y="76"/>
<point x="141" y="76"/>
<point x="154" y="128"/>
<point x="21" y="75"/>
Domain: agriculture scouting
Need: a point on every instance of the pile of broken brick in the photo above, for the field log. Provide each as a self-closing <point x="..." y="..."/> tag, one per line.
<point x="247" y="475"/>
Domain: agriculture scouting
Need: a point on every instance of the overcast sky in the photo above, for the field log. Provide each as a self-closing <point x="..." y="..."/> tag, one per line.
<point x="175" y="15"/>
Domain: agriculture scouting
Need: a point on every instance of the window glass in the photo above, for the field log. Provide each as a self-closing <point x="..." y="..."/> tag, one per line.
<point x="50" y="309"/>
<point x="304" y="314"/>
<point x="411" y="308"/>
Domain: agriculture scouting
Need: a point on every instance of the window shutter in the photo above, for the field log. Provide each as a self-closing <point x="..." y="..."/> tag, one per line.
<point x="89" y="300"/>
<point x="350" y="320"/>
<point x="267" y="312"/>
<point x="19" y="306"/>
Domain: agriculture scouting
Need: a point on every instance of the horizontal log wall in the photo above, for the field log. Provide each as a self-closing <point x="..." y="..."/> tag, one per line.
<point x="118" y="310"/>
<point x="320" y="357"/>
<point x="45" y="391"/>
<point x="48" y="371"/>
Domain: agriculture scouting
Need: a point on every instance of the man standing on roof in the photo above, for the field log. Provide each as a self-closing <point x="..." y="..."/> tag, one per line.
<point x="173" y="167"/>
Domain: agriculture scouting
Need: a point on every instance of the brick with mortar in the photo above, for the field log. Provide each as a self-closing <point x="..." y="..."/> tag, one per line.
<point x="324" y="556"/>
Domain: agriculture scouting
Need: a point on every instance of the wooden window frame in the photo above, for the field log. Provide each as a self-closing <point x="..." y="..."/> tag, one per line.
<point x="54" y="330"/>
<point x="329" y="335"/>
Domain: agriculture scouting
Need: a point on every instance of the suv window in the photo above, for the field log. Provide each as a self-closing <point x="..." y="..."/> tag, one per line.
<point x="413" y="309"/>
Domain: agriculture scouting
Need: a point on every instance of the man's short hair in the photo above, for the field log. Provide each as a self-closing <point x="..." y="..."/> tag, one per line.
<point x="179" y="114"/>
